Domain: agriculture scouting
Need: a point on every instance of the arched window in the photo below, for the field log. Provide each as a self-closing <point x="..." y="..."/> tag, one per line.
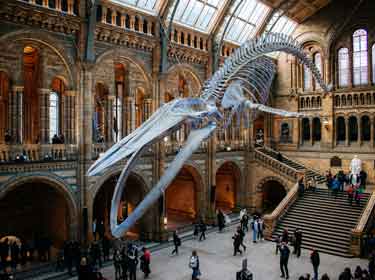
<point x="360" y="59"/>
<point x="350" y="100"/>
<point x="353" y="129"/>
<point x="318" y="64"/>
<point x="365" y="128"/>
<point x="54" y="115"/>
<point x="316" y="128"/>
<point x="340" y="129"/>
<point x="343" y="67"/>
<point x="343" y="100"/>
<point x="117" y="119"/>
<point x="139" y="102"/>
<point x="306" y="78"/>
<point x="302" y="103"/>
<point x="337" y="101"/>
<point x="305" y="129"/>
<point x="373" y="63"/>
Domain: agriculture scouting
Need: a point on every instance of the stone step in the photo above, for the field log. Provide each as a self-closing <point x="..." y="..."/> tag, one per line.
<point x="338" y="208"/>
<point x="292" y="224"/>
<point x="317" y="214"/>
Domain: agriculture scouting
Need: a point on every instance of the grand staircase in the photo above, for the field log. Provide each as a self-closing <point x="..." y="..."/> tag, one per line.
<point x="326" y="222"/>
<point x="320" y="179"/>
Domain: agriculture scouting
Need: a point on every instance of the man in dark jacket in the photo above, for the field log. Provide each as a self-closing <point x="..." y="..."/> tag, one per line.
<point x="220" y="220"/>
<point x="284" y="257"/>
<point x="315" y="260"/>
<point x="298" y="242"/>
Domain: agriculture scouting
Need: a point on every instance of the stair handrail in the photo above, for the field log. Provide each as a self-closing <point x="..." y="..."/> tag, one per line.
<point x="359" y="230"/>
<point x="305" y="167"/>
<point x="270" y="220"/>
<point x="294" y="173"/>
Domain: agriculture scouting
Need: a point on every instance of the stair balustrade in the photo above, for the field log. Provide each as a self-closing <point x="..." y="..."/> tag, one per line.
<point x="270" y="220"/>
<point x="359" y="231"/>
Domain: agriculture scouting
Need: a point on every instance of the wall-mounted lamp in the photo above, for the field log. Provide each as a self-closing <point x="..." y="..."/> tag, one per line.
<point x="228" y="148"/>
<point x="165" y="221"/>
<point x="326" y="123"/>
<point x="166" y="139"/>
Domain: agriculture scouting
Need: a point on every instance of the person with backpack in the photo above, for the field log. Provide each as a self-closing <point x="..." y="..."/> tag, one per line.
<point x="244" y="222"/>
<point x="176" y="243"/>
<point x="194" y="265"/>
<point x="145" y="262"/>
<point x="236" y="243"/>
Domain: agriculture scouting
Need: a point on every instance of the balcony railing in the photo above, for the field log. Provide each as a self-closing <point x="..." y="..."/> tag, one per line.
<point x="37" y="152"/>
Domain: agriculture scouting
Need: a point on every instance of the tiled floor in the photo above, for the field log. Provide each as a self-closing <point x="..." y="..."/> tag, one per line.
<point x="218" y="263"/>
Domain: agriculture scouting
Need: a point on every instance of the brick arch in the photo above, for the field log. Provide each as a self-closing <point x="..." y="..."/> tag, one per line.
<point x="316" y="38"/>
<point x="39" y="38"/>
<point x="54" y="182"/>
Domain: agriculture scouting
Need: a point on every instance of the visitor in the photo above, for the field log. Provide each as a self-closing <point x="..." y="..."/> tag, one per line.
<point x="145" y="262"/>
<point x="284" y="257"/>
<point x="194" y="265"/>
<point x="278" y="243"/>
<point x="346" y="274"/>
<point x="241" y="234"/>
<point x="328" y="179"/>
<point x="106" y="244"/>
<point x="176" y="243"/>
<point x="55" y="139"/>
<point x="202" y="229"/>
<point x="244" y="222"/>
<point x="315" y="261"/>
<point x="236" y="243"/>
<point x="285" y="236"/>
<point x="335" y="186"/>
<point x="220" y="220"/>
<point x="254" y="227"/>
<point x="371" y="266"/>
<point x="363" y="176"/>
<point x="301" y="187"/>
<point x="124" y="263"/>
<point x="85" y="270"/>
<point x="312" y="184"/>
<point x="325" y="277"/>
<point x="350" y="194"/>
<point x="117" y="264"/>
<point x="279" y="157"/>
<point x="341" y="178"/>
<point x="61" y="139"/>
<point x="132" y="262"/>
<point x="358" y="273"/>
<point x="297" y="242"/>
<point x="96" y="255"/>
<point x="260" y="229"/>
<point x="7" y="137"/>
<point x="196" y="231"/>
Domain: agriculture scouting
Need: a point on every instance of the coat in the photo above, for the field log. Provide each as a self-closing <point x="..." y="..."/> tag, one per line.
<point x="315" y="259"/>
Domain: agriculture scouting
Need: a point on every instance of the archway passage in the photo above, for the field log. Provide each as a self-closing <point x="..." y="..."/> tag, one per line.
<point x="133" y="194"/>
<point x="39" y="215"/>
<point x="273" y="194"/>
<point x="181" y="199"/>
<point x="227" y="179"/>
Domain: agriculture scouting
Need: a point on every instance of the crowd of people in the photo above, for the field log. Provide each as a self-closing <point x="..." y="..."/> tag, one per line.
<point x="352" y="184"/>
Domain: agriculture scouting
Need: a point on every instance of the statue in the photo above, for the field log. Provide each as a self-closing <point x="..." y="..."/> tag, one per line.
<point x="242" y="83"/>
<point x="355" y="166"/>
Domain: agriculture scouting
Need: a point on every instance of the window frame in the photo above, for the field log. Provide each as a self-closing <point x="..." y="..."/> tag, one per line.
<point x="57" y="129"/>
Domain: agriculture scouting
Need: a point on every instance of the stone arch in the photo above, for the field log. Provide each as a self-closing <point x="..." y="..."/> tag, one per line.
<point x="315" y="38"/>
<point x="100" y="202"/>
<point x="37" y="38"/>
<point x="270" y="200"/>
<point x="228" y="186"/>
<point x="191" y="76"/>
<point x="184" y="197"/>
<point x="55" y="183"/>
<point x="123" y="57"/>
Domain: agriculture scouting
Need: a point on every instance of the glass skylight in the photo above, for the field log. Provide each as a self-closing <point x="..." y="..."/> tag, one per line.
<point x="283" y="25"/>
<point x="246" y="21"/>
<point x="199" y="14"/>
<point x="146" y="5"/>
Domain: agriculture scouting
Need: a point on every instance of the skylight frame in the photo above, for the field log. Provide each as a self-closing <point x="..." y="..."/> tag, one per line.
<point x="135" y="4"/>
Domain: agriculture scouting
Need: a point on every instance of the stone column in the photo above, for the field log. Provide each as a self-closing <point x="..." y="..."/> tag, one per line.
<point x="359" y="124"/>
<point x="71" y="7"/>
<point x="16" y="113"/>
<point x="104" y="14"/>
<point x="58" y="4"/>
<point x="149" y="29"/>
<point x="132" y="22"/>
<point x="44" y="95"/>
<point x="311" y="131"/>
<point x="122" y="21"/>
<point x="45" y="3"/>
<point x="128" y="114"/>
<point x="113" y="17"/>
<point x="346" y="131"/>
<point x="372" y="131"/>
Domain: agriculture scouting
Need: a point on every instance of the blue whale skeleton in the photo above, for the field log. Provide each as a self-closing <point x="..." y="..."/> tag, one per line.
<point x="242" y="83"/>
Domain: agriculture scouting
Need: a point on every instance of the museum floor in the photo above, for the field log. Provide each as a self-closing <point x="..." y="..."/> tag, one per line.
<point x="218" y="263"/>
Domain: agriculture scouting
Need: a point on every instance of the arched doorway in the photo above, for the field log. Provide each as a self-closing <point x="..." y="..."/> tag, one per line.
<point x="273" y="194"/>
<point x="181" y="198"/>
<point x="227" y="181"/>
<point x="39" y="215"/>
<point x="133" y="194"/>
